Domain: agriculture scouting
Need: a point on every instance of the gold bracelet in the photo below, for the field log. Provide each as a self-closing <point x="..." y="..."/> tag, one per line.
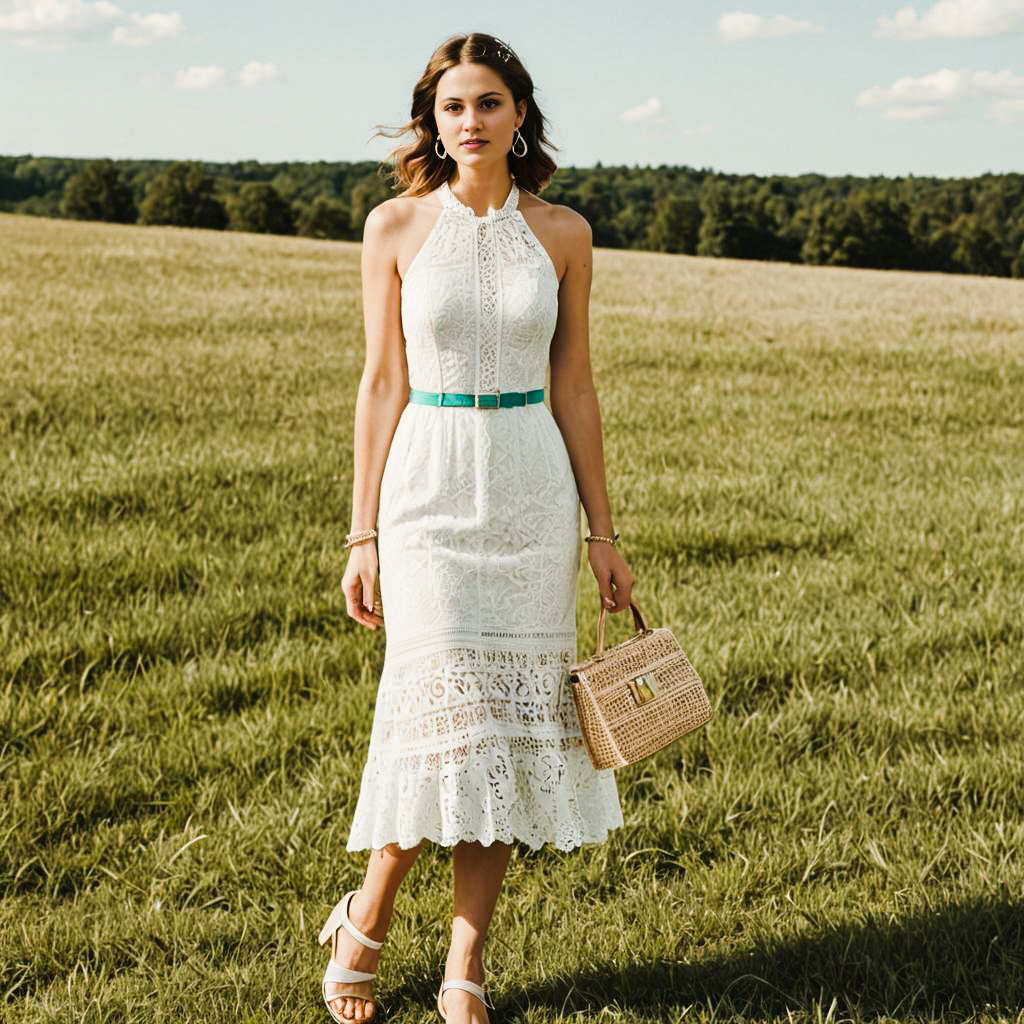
<point x="607" y="540"/>
<point x="358" y="538"/>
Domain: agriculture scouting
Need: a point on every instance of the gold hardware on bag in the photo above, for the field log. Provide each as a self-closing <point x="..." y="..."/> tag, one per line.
<point x="643" y="687"/>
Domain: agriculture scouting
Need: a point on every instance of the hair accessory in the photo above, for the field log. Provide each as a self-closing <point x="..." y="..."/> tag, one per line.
<point x="503" y="52"/>
<point x="635" y="698"/>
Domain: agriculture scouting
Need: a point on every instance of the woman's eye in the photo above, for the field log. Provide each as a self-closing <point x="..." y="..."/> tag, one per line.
<point x="452" y="107"/>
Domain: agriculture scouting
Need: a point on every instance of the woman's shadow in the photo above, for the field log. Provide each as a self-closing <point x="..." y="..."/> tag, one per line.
<point x="953" y="962"/>
<point x="957" y="960"/>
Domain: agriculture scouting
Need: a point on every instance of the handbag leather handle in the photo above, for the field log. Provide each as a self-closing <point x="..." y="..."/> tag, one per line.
<point x="638" y="621"/>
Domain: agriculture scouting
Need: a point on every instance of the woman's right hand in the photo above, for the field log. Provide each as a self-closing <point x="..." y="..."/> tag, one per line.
<point x="359" y="584"/>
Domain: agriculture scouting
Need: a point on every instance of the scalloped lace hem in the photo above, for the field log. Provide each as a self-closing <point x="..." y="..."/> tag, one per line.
<point x="564" y="844"/>
<point x="515" y="795"/>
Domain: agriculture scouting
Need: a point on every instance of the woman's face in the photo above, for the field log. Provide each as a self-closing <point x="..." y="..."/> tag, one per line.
<point x="472" y="102"/>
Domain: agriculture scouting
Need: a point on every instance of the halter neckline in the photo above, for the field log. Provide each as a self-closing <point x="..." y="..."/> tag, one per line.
<point x="452" y="202"/>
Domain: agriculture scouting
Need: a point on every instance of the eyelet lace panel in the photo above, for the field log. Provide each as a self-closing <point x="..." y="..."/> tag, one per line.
<point x="476" y="745"/>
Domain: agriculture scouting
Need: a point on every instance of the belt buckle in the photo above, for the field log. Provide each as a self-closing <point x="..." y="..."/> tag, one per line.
<point x="487" y="394"/>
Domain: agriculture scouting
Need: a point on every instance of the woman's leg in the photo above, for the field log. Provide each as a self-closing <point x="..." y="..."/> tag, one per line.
<point x="479" y="873"/>
<point x="370" y="911"/>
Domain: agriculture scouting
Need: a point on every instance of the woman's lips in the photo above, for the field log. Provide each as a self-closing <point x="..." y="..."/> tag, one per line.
<point x="475" y="144"/>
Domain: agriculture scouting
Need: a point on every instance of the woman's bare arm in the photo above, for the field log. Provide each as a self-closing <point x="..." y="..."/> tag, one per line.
<point x="573" y="398"/>
<point x="383" y="394"/>
<point x="384" y="385"/>
<point x="575" y="407"/>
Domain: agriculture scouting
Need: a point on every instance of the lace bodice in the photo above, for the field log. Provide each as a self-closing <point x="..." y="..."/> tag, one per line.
<point x="509" y="296"/>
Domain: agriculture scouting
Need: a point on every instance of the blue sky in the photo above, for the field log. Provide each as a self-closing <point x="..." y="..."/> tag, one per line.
<point x="788" y="86"/>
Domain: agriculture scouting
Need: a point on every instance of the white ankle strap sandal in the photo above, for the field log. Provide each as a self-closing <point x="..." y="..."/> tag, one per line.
<point x="466" y="986"/>
<point x="345" y="975"/>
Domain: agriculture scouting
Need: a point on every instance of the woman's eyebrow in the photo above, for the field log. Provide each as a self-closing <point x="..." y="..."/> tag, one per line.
<point x="493" y="92"/>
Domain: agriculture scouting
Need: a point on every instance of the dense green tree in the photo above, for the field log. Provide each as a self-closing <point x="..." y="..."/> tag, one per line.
<point x="675" y="225"/>
<point x="99" y="192"/>
<point x="367" y="194"/>
<point x="716" y="214"/>
<point x="260" y="208"/>
<point x="183" y="195"/>
<point x="780" y="227"/>
<point x="834" y="236"/>
<point x="863" y="230"/>
<point x="302" y="183"/>
<point x="629" y="225"/>
<point x="1017" y="269"/>
<point x="48" y="205"/>
<point x="596" y="200"/>
<point x="731" y="226"/>
<point x="15" y="184"/>
<point x="325" y="218"/>
<point x="972" y="248"/>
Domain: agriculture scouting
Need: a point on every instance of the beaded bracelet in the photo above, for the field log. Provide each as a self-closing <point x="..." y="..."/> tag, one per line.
<point x="357" y="538"/>
<point x="607" y="540"/>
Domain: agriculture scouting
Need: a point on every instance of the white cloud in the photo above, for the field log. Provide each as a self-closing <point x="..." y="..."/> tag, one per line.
<point x="648" y="112"/>
<point x="197" y="78"/>
<point x="954" y="19"/>
<point x="32" y="17"/>
<point x="944" y="86"/>
<point x="740" y="25"/>
<point x="701" y="129"/>
<point x="928" y="96"/>
<point x="55" y="24"/>
<point x="146" y="29"/>
<point x="254" y="73"/>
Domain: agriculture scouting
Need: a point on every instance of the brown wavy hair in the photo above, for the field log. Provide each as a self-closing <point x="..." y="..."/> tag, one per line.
<point x="417" y="167"/>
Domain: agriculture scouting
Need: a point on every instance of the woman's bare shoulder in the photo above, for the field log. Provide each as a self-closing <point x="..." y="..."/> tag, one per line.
<point x="563" y="220"/>
<point x="398" y="226"/>
<point x="398" y="212"/>
<point x="563" y="232"/>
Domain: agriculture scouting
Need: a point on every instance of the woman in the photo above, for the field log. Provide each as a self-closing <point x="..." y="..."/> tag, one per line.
<point x="471" y="284"/>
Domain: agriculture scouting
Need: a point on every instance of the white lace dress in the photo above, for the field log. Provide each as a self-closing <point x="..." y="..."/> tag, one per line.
<point x="475" y="735"/>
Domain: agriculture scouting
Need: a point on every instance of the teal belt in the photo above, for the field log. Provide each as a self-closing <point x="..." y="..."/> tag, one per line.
<point x="489" y="400"/>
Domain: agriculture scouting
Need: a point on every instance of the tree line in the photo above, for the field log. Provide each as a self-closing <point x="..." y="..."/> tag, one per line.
<point x="957" y="225"/>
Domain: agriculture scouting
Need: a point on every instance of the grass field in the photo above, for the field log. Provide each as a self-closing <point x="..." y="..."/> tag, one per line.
<point x="819" y="479"/>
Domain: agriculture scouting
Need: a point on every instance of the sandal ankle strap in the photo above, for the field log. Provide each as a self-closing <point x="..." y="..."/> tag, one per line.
<point x="466" y="986"/>
<point x="353" y="930"/>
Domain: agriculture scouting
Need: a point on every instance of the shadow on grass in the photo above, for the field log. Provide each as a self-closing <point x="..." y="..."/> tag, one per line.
<point x="954" y="962"/>
<point x="957" y="959"/>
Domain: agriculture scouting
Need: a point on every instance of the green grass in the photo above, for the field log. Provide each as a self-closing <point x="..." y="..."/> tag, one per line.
<point x="819" y="479"/>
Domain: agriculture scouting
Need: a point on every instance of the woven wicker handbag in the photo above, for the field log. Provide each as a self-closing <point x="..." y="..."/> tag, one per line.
<point x="636" y="697"/>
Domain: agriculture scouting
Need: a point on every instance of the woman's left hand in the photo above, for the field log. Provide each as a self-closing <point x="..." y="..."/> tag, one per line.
<point x="614" y="580"/>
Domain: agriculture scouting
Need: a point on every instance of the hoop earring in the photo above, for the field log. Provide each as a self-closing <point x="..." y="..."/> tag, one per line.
<point x="520" y="138"/>
<point x="440" y="156"/>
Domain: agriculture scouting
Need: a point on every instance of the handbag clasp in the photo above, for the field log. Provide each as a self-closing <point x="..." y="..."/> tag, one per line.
<point x="643" y="688"/>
